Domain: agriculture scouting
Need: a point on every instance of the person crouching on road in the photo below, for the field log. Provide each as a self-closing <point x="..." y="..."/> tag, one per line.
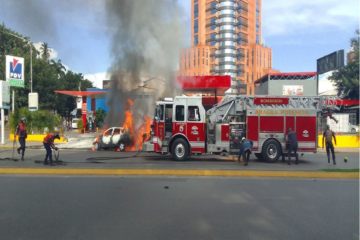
<point x="245" y="150"/>
<point x="21" y="132"/>
<point x="292" y="139"/>
<point x="48" y="144"/>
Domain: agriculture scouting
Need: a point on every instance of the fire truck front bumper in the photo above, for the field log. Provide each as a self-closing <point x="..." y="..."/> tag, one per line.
<point x="148" y="147"/>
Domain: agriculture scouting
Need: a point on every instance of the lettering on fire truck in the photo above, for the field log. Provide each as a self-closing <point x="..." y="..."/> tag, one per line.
<point x="282" y="112"/>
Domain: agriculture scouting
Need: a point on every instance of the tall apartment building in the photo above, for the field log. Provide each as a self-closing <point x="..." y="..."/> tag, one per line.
<point x="226" y="40"/>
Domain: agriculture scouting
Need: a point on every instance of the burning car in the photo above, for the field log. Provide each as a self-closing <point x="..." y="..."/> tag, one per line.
<point x="114" y="137"/>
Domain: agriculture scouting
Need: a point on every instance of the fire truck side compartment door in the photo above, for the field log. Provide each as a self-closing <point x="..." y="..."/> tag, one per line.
<point x="306" y="133"/>
<point x="253" y="130"/>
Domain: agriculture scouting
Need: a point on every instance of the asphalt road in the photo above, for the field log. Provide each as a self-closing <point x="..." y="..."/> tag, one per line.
<point x="111" y="159"/>
<point x="53" y="207"/>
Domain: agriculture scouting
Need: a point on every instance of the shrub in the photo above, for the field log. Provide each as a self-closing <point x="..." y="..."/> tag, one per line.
<point x="35" y="121"/>
<point x="80" y="124"/>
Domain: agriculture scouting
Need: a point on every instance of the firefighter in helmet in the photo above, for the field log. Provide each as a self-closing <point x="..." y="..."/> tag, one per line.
<point x="21" y="133"/>
<point x="48" y="144"/>
<point x="327" y="137"/>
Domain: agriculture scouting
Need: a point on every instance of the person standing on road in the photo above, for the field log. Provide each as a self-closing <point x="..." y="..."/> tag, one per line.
<point x="48" y="144"/>
<point x="293" y="145"/>
<point x="21" y="133"/>
<point x="245" y="150"/>
<point x="328" y="136"/>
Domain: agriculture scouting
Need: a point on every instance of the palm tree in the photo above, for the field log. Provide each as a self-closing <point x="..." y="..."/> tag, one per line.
<point x="60" y="69"/>
<point x="45" y="51"/>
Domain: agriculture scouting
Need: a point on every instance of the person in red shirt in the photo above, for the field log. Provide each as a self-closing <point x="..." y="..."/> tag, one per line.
<point x="21" y="133"/>
<point x="48" y="144"/>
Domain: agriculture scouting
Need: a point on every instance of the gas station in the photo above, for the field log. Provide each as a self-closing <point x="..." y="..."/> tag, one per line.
<point x="81" y="102"/>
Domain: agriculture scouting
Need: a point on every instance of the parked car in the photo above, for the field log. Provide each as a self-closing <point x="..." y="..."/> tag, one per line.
<point x="353" y="128"/>
<point x="114" y="137"/>
<point x="74" y="123"/>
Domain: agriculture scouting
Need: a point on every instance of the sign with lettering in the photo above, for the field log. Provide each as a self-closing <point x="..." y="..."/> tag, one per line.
<point x="293" y="90"/>
<point x="84" y="108"/>
<point x="15" y="71"/>
<point x="272" y="101"/>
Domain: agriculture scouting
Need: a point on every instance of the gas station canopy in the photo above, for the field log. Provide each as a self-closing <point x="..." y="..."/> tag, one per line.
<point x="96" y="95"/>
<point x="204" y="84"/>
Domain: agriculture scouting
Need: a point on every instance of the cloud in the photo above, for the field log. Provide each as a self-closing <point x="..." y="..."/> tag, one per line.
<point x="53" y="52"/>
<point x="325" y="84"/>
<point x="284" y="17"/>
<point x="97" y="78"/>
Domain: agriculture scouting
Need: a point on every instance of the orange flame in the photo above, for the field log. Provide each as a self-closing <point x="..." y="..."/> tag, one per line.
<point x="137" y="135"/>
<point x="96" y="141"/>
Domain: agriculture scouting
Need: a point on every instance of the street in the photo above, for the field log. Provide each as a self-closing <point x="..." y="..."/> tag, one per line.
<point x="53" y="207"/>
<point x="111" y="159"/>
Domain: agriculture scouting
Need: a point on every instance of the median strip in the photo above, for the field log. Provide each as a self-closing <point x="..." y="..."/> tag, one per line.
<point x="183" y="172"/>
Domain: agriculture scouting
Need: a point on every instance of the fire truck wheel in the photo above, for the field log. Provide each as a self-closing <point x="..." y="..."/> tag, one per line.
<point x="271" y="151"/>
<point x="180" y="149"/>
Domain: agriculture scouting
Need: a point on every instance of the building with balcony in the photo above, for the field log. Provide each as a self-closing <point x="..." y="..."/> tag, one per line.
<point x="226" y="40"/>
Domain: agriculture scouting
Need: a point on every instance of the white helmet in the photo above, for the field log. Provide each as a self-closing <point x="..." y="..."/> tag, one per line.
<point x="243" y="139"/>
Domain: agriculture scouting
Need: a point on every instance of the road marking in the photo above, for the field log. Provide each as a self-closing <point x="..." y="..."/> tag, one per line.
<point x="174" y="172"/>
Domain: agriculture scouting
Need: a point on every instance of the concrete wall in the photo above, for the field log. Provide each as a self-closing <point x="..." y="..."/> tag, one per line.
<point x="99" y="103"/>
<point x="276" y="87"/>
<point x="262" y="89"/>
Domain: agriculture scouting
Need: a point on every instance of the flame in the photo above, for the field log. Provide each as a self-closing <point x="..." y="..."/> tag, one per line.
<point x="131" y="103"/>
<point x="136" y="134"/>
<point x="96" y="141"/>
<point x="144" y="131"/>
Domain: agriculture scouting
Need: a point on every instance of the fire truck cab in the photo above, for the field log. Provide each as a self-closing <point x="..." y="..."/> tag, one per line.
<point x="182" y="127"/>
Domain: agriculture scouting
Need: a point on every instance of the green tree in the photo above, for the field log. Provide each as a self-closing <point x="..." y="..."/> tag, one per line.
<point x="48" y="76"/>
<point x="45" y="51"/>
<point x="60" y="69"/>
<point x="346" y="79"/>
<point x="100" y="116"/>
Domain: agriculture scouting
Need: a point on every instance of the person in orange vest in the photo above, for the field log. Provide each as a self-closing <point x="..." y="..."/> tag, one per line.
<point x="48" y="144"/>
<point x="21" y="132"/>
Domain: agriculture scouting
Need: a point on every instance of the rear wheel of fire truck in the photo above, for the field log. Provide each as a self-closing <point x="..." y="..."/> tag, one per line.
<point x="271" y="151"/>
<point x="180" y="149"/>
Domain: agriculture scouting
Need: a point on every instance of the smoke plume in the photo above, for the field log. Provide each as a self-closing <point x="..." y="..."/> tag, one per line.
<point x="148" y="36"/>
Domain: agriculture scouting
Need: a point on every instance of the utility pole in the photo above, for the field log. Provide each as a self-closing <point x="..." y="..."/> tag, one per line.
<point x="30" y="44"/>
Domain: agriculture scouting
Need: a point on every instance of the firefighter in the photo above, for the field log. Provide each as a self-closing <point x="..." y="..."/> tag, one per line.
<point x="48" y="144"/>
<point x="328" y="136"/>
<point x="245" y="150"/>
<point x="293" y="141"/>
<point x="21" y="132"/>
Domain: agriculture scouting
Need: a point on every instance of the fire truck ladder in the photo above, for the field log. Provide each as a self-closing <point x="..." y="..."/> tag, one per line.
<point x="236" y="105"/>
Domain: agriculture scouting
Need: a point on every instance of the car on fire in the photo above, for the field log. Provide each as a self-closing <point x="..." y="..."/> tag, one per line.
<point x="114" y="137"/>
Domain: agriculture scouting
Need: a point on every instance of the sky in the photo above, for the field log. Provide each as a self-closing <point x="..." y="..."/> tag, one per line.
<point x="298" y="32"/>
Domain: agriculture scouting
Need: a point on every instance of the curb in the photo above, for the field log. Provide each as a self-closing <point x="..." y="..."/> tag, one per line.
<point x="172" y="172"/>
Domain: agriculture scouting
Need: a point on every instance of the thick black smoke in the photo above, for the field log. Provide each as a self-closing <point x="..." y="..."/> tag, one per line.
<point x="148" y="37"/>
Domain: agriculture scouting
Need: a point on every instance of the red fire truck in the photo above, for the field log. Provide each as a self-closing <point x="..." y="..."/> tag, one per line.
<point x="182" y="127"/>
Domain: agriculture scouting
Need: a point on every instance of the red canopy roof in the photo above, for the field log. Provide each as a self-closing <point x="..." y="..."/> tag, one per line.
<point x="204" y="84"/>
<point x="98" y="94"/>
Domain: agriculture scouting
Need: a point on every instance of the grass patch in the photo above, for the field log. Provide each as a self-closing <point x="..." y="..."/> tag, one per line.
<point x="341" y="170"/>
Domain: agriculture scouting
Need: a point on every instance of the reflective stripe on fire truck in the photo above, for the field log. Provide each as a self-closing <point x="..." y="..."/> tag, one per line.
<point x="306" y="144"/>
<point x="197" y="144"/>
